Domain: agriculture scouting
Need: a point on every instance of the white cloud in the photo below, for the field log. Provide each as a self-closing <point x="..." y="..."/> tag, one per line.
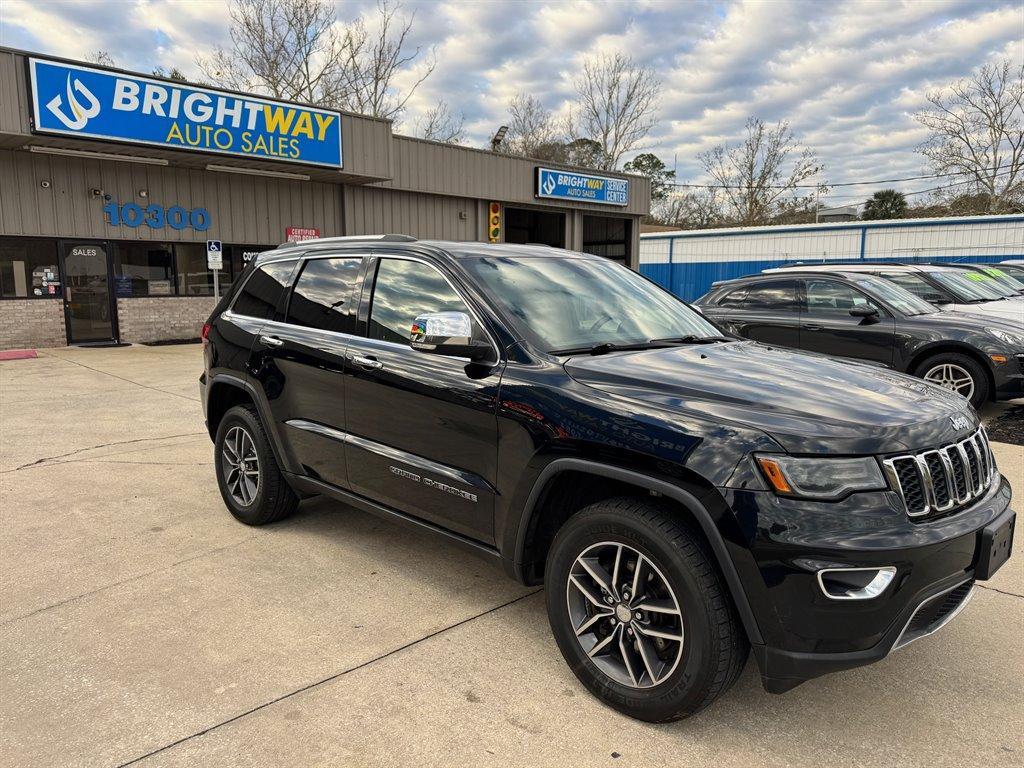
<point x="848" y="76"/>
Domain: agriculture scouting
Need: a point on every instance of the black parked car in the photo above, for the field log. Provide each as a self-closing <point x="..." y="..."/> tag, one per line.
<point x="685" y="498"/>
<point x="862" y="317"/>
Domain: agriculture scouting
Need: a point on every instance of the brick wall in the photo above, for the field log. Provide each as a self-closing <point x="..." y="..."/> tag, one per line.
<point x="164" y="318"/>
<point x="29" y="323"/>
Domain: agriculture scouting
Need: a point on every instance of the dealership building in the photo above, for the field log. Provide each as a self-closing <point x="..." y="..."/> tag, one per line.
<point x="119" y="191"/>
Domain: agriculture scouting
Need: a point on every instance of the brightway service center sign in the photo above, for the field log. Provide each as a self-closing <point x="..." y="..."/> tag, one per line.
<point x="72" y="100"/>
<point x="581" y="187"/>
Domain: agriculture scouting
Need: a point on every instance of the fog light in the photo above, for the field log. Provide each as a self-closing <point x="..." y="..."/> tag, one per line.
<point x="855" y="583"/>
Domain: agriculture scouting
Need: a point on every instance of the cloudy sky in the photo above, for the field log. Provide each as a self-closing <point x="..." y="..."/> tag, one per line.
<point x="847" y="75"/>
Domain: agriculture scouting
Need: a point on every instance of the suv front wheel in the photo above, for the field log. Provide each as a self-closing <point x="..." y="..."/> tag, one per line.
<point x="249" y="479"/>
<point x="639" y="611"/>
<point x="957" y="373"/>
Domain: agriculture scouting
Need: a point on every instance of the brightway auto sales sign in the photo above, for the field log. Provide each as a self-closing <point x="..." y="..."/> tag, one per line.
<point x="73" y="100"/>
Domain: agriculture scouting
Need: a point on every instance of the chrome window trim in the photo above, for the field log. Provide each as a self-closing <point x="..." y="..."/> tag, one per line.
<point x="954" y="453"/>
<point x="952" y="615"/>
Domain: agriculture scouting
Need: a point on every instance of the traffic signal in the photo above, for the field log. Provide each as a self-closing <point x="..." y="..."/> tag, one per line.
<point x="494" y="222"/>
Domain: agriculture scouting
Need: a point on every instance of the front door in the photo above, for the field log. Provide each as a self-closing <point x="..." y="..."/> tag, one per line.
<point x="89" y="308"/>
<point x="826" y="325"/>
<point x="422" y="428"/>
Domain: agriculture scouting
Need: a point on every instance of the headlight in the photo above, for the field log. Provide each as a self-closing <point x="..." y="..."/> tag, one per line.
<point x="1015" y="340"/>
<point x="814" y="478"/>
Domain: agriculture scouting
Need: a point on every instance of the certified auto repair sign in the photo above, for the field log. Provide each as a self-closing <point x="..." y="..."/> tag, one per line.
<point x="72" y="100"/>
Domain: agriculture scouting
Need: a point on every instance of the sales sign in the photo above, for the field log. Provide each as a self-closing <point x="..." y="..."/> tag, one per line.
<point x="581" y="187"/>
<point x="73" y="100"/>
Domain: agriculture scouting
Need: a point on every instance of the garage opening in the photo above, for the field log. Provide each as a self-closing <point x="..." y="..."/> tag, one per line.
<point x="523" y="225"/>
<point x="607" y="236"/>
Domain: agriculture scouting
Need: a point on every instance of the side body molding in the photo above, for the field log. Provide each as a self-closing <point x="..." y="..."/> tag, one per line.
<point x="669" y="490"/>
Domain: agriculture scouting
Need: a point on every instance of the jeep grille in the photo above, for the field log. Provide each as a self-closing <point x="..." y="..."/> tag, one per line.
<point x="947" y="478"/>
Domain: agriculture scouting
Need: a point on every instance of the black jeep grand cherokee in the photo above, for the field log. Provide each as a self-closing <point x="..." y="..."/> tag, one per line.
<point x="685" y="498"/>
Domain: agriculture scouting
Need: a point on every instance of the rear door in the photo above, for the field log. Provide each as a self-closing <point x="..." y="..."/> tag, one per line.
<point x="765" y="311"/>
<point x="422" y="428"/>
<point x="303" y="360"/>
<point x="828" y="327"/>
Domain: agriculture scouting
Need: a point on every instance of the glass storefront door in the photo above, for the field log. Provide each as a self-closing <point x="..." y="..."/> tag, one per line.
<point x="88" y="304"/>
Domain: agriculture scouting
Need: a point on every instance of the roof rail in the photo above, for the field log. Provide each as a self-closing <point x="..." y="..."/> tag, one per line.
<point x="354" y="239"/>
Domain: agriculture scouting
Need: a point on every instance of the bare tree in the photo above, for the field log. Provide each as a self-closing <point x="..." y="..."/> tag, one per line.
<point x="374" y="57"/>
<point x="762" y="177"/>
<point x="296" y="50"/>
<point x="531" y="127"/>
<point x="693" y="209"/>
<point x="977" y="131"/>
<point x="102" y="58"/>
<point x="616" y="105"/>
<point x="441" y="124"/>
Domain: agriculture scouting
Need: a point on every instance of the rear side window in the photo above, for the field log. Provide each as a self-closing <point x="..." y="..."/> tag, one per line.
<point x="263" y="292"/>
<point x="322" y="297"/>
<point x="777" y="297"/>
<point x="403" y="290"/>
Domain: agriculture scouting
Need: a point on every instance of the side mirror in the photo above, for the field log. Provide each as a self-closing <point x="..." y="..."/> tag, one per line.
<point x="447" y="333"/>
<point x="865" y="312"/>
<point x="937" y="298"/>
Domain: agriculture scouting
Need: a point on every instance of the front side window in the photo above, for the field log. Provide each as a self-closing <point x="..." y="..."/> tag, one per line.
<point x="829" y="297"/>
<point x="28" y="269"/>
<point x="898" y="298"/>
<point x="772" y="297"/>
<point x="567" y="303"/>
<point x="322" y="296"/>
<point x="143" y="269"/>
<point x="734" y="298"/>
<point x="263" y="292"/>
<point x="403" y="290"/>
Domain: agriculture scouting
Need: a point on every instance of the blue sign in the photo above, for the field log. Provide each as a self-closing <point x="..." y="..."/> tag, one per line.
<point x="73" y="100"/>
<point x="155" y="216"/>
<point x="581" y="187"/>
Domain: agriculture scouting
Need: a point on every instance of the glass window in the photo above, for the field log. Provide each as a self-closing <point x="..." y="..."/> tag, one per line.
<point x="28" y="268"/>
<point x="194" y="279"/>
<point x="143" y="269"/>
<point x="828" y="297"/>
<point x="963" y="290"/>
<point x="237" y="258"/>
<point x="895" y="296"/>
<point x="734" y="298"/>
<point x="262" y="294"/>
<point x="918" y="286"/>
<point x="322" y="296"/>
<point x="403" y="290"/>
<point x="579" y="302"/>
<point x="777" y="297"/>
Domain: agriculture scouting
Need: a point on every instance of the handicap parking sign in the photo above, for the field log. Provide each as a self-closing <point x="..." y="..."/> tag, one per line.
<point x="214" y="255"/>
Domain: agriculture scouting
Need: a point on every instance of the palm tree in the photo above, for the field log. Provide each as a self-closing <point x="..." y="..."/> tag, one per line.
<point x="885" y="204"/>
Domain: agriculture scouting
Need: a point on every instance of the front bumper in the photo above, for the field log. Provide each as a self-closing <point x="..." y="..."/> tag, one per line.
<point x="1009" y="378"/>
<point x="806" y="633"/>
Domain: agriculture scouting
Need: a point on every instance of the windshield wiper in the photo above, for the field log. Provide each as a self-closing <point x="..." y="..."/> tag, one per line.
<point x="691" y="340"/>
<point x="605" y="347"/>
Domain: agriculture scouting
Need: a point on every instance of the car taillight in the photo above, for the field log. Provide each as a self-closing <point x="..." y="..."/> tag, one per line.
<point x="204" y="335"/>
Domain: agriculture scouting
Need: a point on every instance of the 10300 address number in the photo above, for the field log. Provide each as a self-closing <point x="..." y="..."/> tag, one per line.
<point x="156" y="216"/>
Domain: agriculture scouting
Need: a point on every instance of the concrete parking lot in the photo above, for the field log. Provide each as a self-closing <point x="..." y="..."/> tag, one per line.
<point x="141" y="625"/>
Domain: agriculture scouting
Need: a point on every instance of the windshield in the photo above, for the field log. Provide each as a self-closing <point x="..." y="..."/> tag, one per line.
<point x="575" y="303"/>
<point x="1004" y="280"/>
<point x="898" y="298"/>
<point x="964" y="290"/>
<point x="1014" y="272"/>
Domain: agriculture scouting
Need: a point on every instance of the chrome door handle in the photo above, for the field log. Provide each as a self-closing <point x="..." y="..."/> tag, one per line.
<point x="368" y="362"/>
<point x="812" y="327"/>
<point x="271" y="341"/>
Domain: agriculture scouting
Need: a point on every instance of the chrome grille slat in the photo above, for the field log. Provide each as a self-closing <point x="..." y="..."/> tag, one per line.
<point x="939" y="480"/>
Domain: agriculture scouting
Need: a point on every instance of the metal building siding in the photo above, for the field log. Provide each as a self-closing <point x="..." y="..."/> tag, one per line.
<point x="463" y="171"/>
<point x="366" y="146"/>
<point x="700" y="258"/>
<point x="243" y="209"/>
<point x="14" y="109"/>
<point x="373" y="210"/>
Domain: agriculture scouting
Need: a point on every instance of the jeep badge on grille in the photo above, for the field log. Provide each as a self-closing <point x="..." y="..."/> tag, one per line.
<point x="960" y="421"/>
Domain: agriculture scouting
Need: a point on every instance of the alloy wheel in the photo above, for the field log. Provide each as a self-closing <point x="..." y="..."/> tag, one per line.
<point x="241" y="466"/>
<point x="625" y="615"/>
<point x="952" y="377"/>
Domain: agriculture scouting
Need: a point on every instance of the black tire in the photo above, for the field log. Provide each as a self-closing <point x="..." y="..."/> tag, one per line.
<point x="714" y="648"/>
<point x="977" y="373"/>
<point x="273" y="498"/>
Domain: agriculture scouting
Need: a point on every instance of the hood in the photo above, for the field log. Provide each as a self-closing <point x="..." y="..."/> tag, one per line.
<point x="1007" y="309"/>
<point x="807" y="403"/>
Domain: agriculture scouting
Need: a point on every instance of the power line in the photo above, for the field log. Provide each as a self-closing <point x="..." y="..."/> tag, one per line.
<point x="838" y="184"/>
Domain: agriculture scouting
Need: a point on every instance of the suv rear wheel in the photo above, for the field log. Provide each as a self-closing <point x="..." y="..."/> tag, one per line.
<point x="639" y="611"/>
<point x="249" y="479"/>
<point x="957" y="373"/>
